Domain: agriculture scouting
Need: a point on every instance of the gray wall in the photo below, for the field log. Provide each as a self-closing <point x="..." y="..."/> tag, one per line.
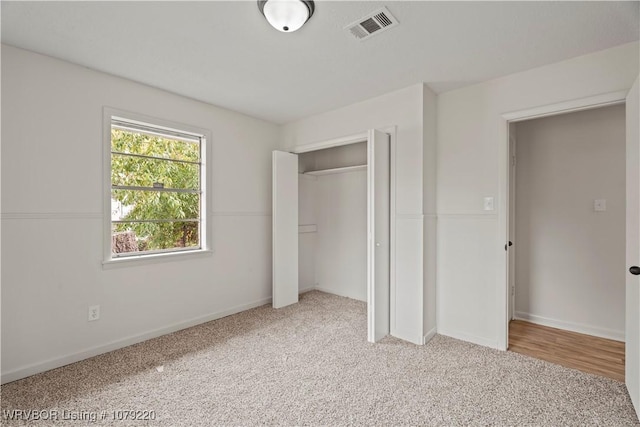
<point x="570" y="259"/>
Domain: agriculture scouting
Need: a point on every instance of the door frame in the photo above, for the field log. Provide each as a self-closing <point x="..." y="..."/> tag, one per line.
<point x="504" y="158"/>
<point x="511" y="236"/>
<point x="364" y="137"/>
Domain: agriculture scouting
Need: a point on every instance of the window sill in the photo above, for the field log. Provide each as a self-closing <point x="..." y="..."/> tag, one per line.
<point x="132" y="261"/>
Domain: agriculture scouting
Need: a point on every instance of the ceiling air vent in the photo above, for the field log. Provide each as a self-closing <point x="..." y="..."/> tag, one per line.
<point x="372" y="24"/>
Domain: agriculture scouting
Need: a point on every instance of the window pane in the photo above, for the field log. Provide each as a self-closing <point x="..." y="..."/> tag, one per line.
<point x="164" y="215"/>
<point x="153" y="205"/>
<point x="140" y="237"/>
<point x="142" y="172"/>
<point x="125" y="141"/>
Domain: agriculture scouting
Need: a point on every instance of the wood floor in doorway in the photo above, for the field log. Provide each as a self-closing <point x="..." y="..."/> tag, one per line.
<point x="578" y="351"/>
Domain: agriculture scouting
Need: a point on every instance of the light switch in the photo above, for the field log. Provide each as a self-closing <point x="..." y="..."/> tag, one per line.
<point x="488" y="203"/>
<point x="600" y="205"/>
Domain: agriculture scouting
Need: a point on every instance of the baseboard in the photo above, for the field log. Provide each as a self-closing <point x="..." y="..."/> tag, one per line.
<point x="429" y="336"/>
<point x="474" y="339"/>
<point x="333" y="292"/>
<point x="305" y="289"/>
<point x="58" y="362"/>
<point x="570" y="326"/>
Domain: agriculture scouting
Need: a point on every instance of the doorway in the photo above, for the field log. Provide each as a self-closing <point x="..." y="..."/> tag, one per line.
<point x="566" y="221"/>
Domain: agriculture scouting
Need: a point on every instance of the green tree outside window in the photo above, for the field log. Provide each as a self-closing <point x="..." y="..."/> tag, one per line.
<point x="159" y="217"/>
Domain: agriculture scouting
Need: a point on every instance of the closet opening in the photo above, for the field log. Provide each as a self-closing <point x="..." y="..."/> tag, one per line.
<point x="331" y="224"/>
<point x="332" y="191"/>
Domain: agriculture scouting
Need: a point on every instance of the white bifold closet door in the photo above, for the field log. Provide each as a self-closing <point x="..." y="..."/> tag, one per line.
<point x="285" y="232"/>
<point x="285" y="229"/>
<point x="378" y="252"/>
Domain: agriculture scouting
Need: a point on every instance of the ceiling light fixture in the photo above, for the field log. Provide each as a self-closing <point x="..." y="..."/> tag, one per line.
<point x="286" y="15"/>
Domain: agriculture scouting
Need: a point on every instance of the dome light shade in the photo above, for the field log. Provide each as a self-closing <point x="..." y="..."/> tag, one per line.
<point x="286" y="15"/>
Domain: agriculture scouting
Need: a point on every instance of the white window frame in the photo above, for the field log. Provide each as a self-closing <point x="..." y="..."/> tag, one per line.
<point x="205" y="136"/>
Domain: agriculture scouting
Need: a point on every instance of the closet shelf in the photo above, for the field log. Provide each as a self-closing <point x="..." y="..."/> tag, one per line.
<point x="337" y="170"/>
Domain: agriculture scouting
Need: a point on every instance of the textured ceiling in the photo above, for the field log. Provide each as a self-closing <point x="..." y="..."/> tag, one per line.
<point x="225" y="53"/>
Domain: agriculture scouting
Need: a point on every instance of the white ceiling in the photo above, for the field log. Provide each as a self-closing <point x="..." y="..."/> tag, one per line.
<point x="225" y="53"/>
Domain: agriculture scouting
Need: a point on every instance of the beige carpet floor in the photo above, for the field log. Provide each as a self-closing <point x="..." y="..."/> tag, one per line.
<point x="310" y="364"/>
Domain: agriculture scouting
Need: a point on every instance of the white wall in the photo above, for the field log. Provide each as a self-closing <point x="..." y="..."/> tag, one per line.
<point x="52" y="218"/>
<point x="404" y="110"/>
<point x="570" y="259"/>
<point x="470" y="277"/>
<point x="341" y="266"/>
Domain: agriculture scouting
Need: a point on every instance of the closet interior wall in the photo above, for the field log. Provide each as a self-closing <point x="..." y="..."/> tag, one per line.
<point x="333" y="221"/>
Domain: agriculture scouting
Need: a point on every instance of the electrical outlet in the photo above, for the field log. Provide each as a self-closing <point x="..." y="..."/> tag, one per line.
<point x="94" y="313"/>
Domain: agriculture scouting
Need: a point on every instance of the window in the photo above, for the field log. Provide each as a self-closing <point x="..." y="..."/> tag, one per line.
<point x="156" y="193"/>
